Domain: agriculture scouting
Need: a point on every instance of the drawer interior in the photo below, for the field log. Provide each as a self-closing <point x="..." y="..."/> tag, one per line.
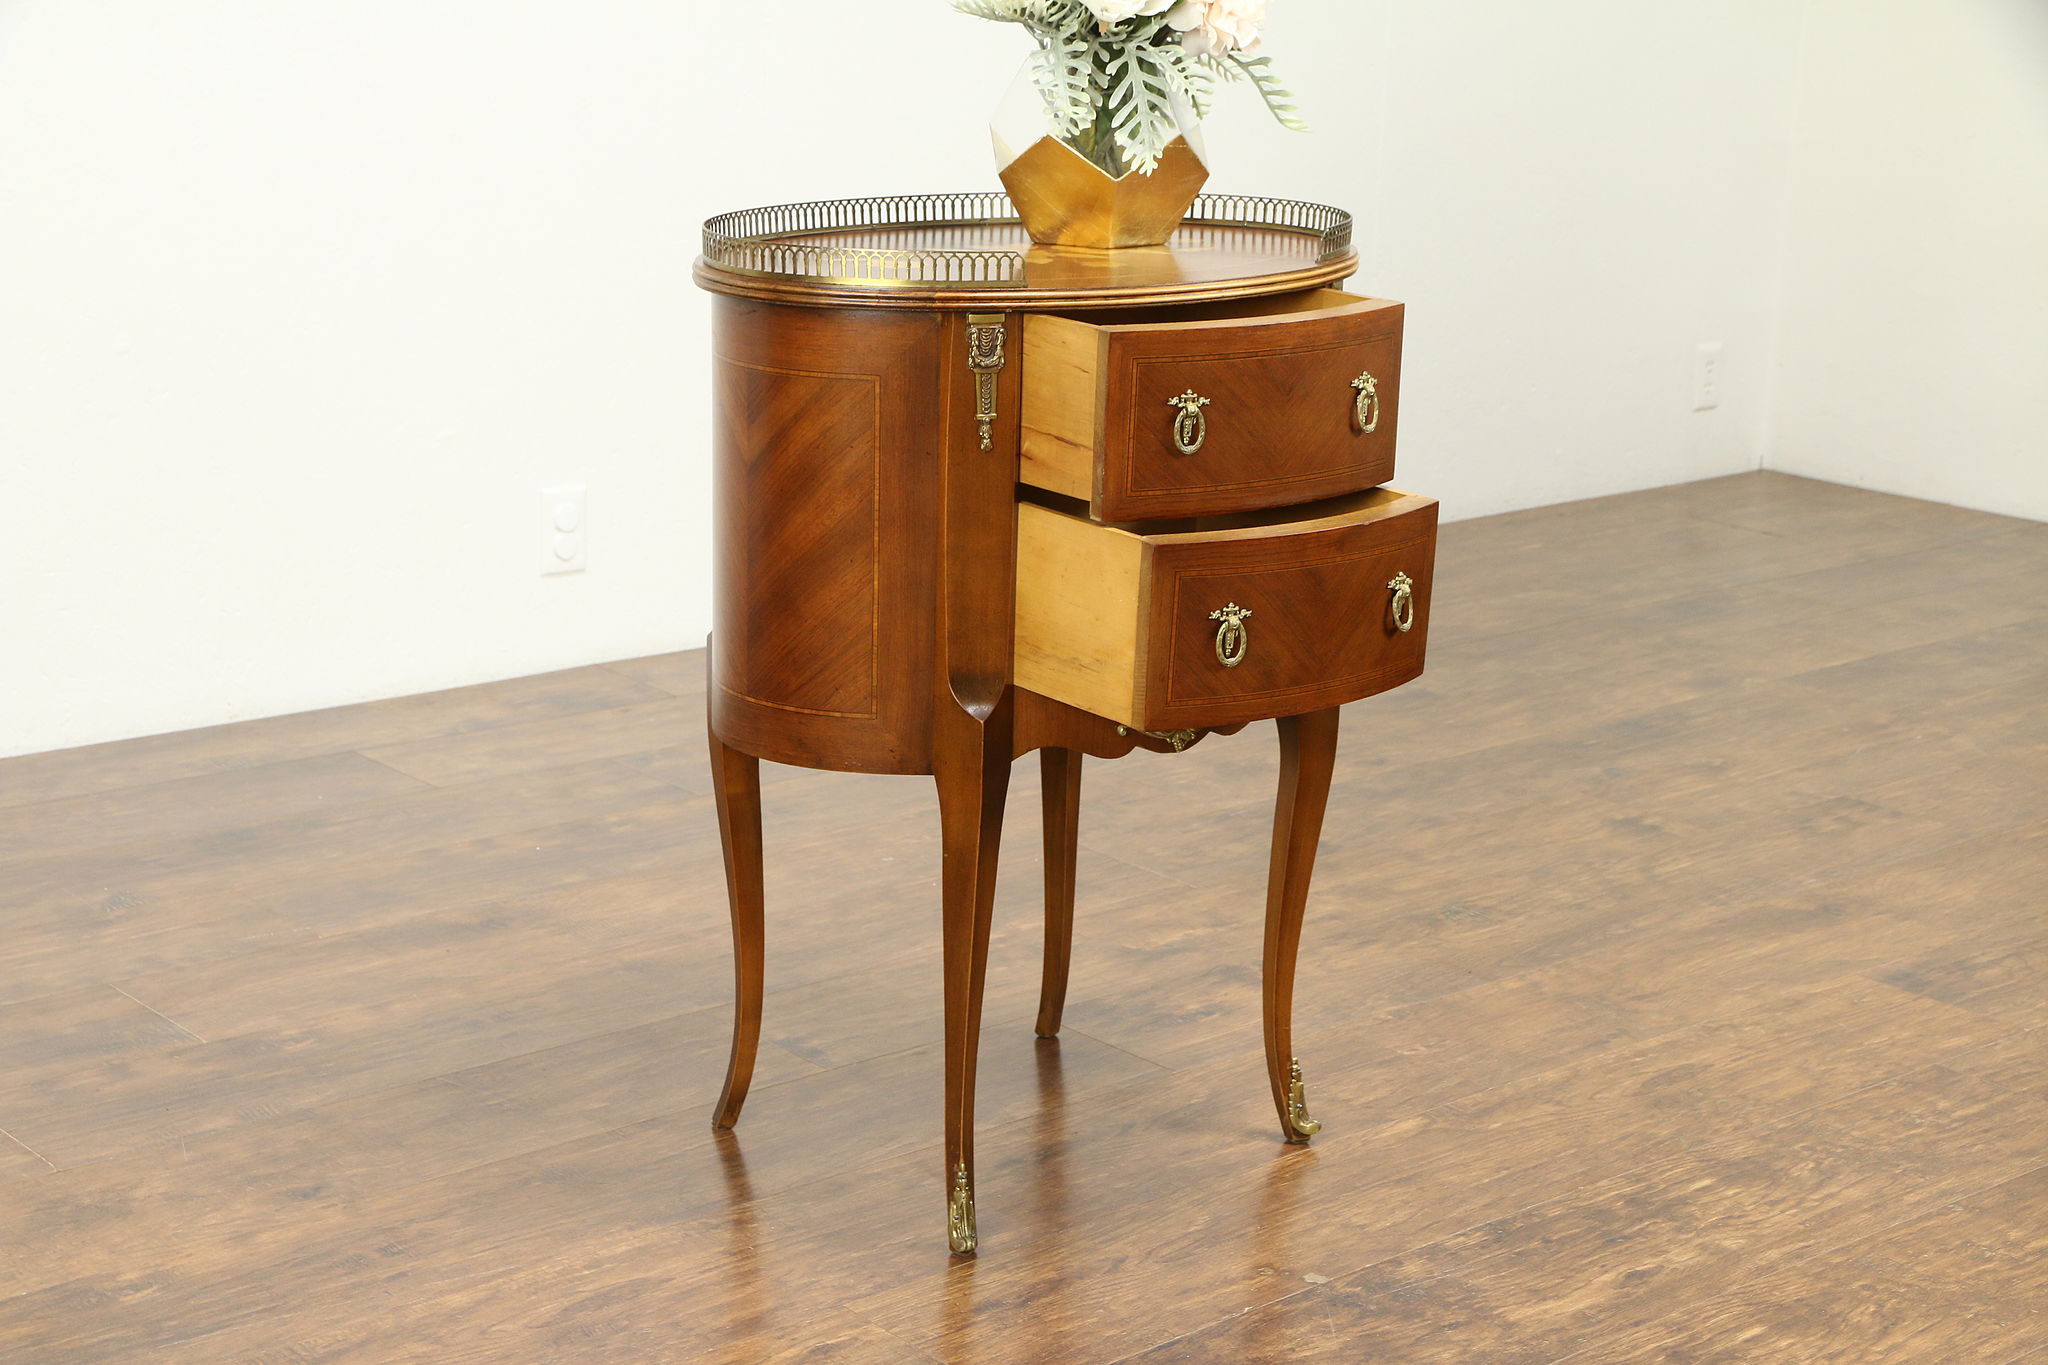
<point x="1371" y="504"/>
<point x="1228" y="310"/>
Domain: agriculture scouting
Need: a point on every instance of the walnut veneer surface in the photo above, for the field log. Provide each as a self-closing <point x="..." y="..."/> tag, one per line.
<point x="1676" y="997"/>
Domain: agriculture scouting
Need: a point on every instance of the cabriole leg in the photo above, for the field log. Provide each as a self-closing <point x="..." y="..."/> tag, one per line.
<point x="736" y="778"/>
<point x="972" y="762"/>
<point x="1308" y="753"/>
<point x="1060" y="778"/>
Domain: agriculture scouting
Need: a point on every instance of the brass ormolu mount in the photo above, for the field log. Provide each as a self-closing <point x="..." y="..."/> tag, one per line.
<point x="960" y="1235"/>
<point x="1298" y="1120"/>
<point x="1179" y="739"/>
<point x="985" y="358"/>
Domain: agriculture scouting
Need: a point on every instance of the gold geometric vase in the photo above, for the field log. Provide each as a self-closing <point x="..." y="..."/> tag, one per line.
<point x="1064" y="199"/>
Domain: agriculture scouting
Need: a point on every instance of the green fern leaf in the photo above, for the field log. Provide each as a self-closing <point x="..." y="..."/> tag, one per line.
<point x="1199" y="85"/>
<point x="1064" y="77"/>
<point x="1279" y="99"/>
<point x="1141" y="105"/>
<point x="1217" y="66"/>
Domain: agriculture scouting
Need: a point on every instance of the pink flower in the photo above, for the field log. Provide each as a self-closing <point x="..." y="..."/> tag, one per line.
<point x="1212" y="28"/>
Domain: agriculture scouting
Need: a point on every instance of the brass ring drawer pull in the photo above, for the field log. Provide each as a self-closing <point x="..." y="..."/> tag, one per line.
<point x="1365" y="404"/>
<point x="1233" y="637"/>
<point x="1190" y="426"/>
<point x="1404" y="601"/>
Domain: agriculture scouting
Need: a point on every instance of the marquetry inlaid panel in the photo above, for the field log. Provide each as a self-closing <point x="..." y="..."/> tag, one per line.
<point x="822" y="479"/>
<point x="805" y="523"/>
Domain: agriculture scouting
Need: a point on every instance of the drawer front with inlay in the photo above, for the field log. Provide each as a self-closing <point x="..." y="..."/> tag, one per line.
<point x="1213" y="414"/>
<point x="1205" y="628"/>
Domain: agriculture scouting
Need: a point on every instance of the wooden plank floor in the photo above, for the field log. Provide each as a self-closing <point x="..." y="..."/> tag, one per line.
<point x="1672" y="991"/>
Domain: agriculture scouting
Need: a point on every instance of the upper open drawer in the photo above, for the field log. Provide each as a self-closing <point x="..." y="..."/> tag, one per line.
<point x="1198" y="411"/>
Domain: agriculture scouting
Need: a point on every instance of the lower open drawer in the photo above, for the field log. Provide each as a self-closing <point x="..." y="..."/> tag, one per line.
<point x="1242" y="620"/>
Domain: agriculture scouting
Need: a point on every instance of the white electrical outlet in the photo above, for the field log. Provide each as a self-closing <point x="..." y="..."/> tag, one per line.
<point x="1706" y="376"/>
<point x="564" y="528"/>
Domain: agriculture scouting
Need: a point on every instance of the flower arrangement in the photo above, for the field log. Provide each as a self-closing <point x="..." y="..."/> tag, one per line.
<point x="1111" y="71"/>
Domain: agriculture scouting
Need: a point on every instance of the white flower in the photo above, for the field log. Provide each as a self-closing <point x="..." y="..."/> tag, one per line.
<point x="1212" y="28"/>
<point x="1109" y="12"/>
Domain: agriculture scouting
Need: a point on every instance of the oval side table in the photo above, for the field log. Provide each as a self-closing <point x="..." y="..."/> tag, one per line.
<point x="976" y="497"/>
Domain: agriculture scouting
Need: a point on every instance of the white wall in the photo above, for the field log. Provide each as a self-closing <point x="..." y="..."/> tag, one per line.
<point x="1914" y="351"/>
<point x="301" y="303"/>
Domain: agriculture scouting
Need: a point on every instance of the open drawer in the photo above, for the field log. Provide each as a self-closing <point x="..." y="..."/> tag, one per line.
<point x="1241" y="621"/>
<point x="1225" y="408"/>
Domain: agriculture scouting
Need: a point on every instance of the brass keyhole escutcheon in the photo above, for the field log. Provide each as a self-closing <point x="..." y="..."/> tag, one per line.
<point x="1233" y="637"/>
<point x="1403" y="588"/>
<point x="1190" y="425"/>
<point x="1365" y="404"/>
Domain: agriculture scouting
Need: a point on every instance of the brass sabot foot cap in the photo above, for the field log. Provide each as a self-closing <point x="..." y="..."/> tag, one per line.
<point x="1300" y="1126"/>
<point x="961" y="1236"/>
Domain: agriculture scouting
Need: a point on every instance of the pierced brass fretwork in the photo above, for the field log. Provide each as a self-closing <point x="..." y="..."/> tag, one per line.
<point x="1297" y="1104"/>
<point x="960" y="1213"/>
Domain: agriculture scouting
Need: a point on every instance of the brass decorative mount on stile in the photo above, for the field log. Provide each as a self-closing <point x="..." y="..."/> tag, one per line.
<point x="985" y="358"/>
